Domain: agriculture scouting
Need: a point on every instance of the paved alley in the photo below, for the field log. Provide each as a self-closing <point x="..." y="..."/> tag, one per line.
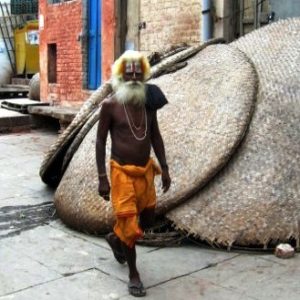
<point x="40" y="258"/>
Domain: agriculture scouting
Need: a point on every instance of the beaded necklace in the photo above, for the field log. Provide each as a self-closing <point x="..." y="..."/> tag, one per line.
<point x="133" y="126"/>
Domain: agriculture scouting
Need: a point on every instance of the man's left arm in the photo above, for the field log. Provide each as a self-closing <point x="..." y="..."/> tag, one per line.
<point x="159" y="150"/>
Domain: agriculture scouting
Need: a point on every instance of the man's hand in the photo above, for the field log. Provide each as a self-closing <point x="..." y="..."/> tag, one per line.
<point x="166" y="180"/>
<point x="104" y="188"/>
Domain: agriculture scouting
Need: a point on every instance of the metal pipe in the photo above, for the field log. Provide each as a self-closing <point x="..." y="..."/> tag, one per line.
<point x="5" y="22"/>
<point x="255" y="13"/>
<point x="206" y="20"/>
<point x="241" y="18"/>
<point x="12" y="42"/>
<point x="9" y="16"/>
<point x="259" y="10"/>
<point x="5" y="39"/>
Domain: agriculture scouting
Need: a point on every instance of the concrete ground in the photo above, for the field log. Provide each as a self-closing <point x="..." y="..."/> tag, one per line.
<point x="12" y="120"/>
<point x="40" y="258"/>
<point x="19" y="114"/>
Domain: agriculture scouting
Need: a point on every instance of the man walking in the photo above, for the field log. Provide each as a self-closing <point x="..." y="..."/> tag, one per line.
<point x="133" y="128"/>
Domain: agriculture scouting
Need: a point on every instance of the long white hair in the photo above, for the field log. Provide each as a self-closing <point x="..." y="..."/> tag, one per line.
<point x="130" y="91"/>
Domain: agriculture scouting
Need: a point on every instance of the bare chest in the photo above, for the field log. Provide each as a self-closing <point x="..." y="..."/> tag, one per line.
<point x="133" y="120"/>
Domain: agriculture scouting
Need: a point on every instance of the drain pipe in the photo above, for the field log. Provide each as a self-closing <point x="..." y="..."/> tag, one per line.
<point x="206" y="20"/>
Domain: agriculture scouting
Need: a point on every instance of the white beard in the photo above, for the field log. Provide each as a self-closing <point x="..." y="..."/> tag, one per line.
<point x="130" y="92"/>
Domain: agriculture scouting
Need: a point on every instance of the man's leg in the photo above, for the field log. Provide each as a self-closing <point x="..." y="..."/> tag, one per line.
<point x="135" y="284"/>
<point x="147" y="218"/>
<point x="124" y="253"/>
<point x="115" y="244"/>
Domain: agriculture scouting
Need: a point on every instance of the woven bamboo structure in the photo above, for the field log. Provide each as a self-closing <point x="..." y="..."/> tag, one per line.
<point x="232" y="136"/>
<point x="54" y="162"/>
<point x="51" y="167"/>
<point x="202" y="126"/>
<point x="255" y="200"/>
<point x="34" y="87"/>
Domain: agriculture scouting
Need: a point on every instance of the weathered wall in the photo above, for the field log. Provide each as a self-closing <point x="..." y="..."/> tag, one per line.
<point x="108" y="37"/>
<point x="249" y="13"/>
<point x="169" y="22"/>
<point x="218" y="17"/>
<point x="133" y="19"/>
<point x="285" y="9"/>
<point x="66" y="24"/>
<point x="5" y="66"/>
<point x="62" y="24"/>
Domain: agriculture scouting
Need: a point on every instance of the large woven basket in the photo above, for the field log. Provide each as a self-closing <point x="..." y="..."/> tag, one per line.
<point x="58" y="156"/>
<point x="255" y="200"/>
<point x="202" y="125"/>
<point x="34" y="87"/>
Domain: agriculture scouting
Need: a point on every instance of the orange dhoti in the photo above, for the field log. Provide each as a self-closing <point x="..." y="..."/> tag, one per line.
<point x="132" y="191"/>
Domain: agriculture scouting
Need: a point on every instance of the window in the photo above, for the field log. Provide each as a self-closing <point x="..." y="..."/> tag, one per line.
<point x="52" y="61"/>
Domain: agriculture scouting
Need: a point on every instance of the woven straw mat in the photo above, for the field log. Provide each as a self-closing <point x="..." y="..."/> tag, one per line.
<point x="50" y="170"/>
<point x="256" y="198"/>
<point x="211" y="102"/>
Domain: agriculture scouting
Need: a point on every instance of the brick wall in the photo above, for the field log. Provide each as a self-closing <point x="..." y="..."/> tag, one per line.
<point x="169" y="22"/>
<point x="108" y="32"/>
<point x="63" y="26"/>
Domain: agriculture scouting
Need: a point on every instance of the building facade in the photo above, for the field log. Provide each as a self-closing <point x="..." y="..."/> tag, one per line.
<point x="68" y="66"/>
<point x="71" y="52"/>
<point x="80" y="39"/>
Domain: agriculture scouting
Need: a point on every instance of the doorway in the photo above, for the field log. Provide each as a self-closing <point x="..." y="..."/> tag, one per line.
<point x="94" y="44"/>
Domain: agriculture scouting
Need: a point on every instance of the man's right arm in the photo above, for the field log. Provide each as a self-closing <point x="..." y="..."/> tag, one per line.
<point x="102" y="132"/>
